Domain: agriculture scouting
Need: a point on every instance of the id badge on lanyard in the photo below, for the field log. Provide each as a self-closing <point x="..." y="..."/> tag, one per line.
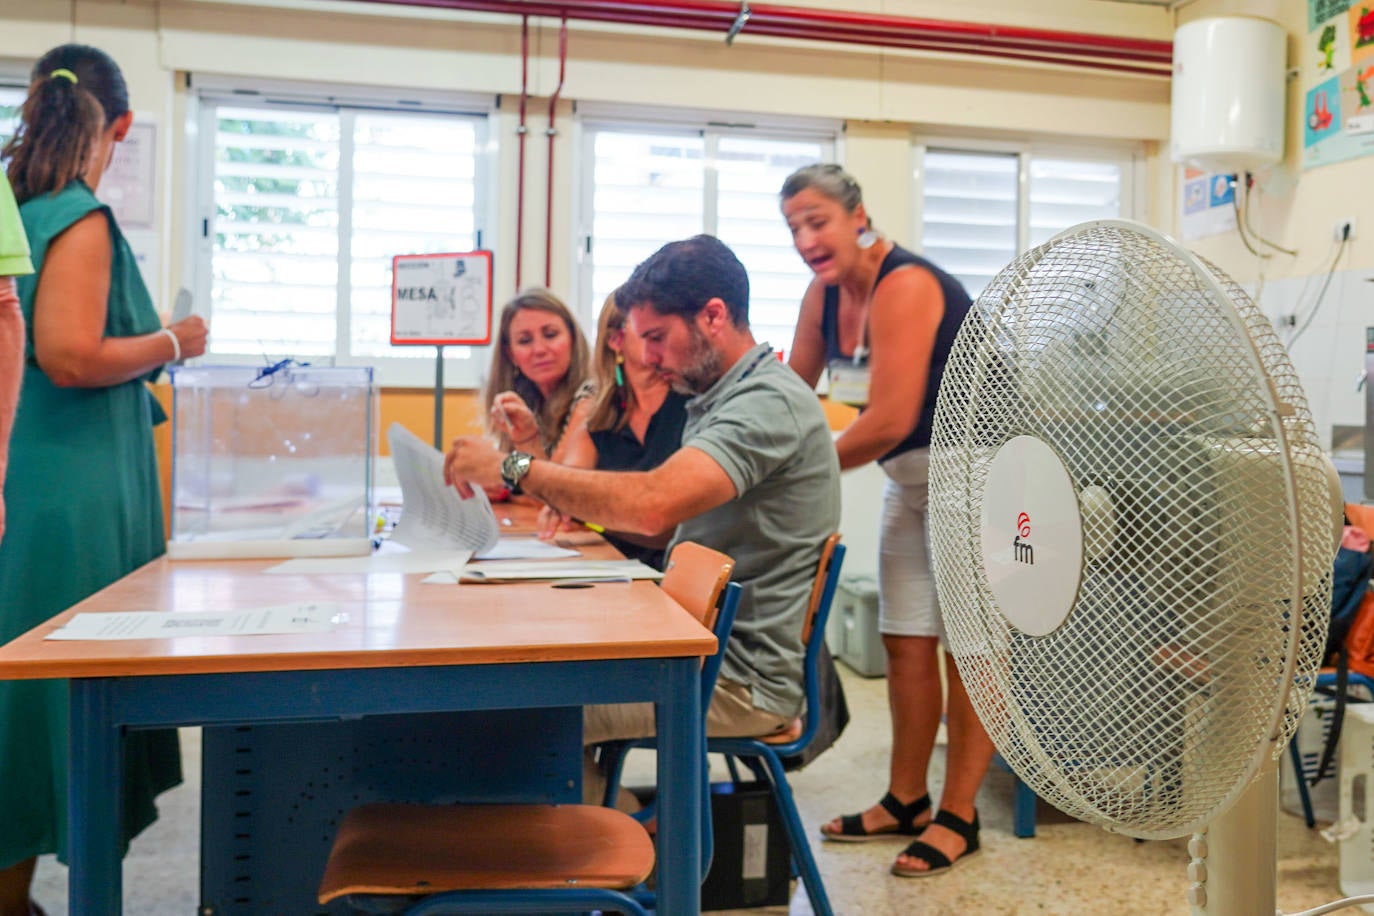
<point x="849" y="379"/>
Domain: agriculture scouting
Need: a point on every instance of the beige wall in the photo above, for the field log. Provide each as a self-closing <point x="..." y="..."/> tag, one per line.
<point x="882" y="96"/>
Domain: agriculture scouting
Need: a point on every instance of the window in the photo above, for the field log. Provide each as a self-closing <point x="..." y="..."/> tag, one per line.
<point x="11" y="99"/>
<point x="303" y="206"/>
<point x="980" y="209"/>
<point x="648" y="186"/>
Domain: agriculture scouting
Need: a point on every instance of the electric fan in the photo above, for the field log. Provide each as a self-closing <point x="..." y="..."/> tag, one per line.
<point x="1133" y="528"/>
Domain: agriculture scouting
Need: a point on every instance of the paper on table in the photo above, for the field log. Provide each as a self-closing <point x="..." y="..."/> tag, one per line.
<point x="285" y="618"/>
<point x="434" y="515"/>
<point x="513" y="570"/>
<point x="390" y="559"/>
<point x="525" y="549"/>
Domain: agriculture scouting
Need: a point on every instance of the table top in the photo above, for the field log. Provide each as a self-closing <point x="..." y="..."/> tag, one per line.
<point x="384" y="620"/>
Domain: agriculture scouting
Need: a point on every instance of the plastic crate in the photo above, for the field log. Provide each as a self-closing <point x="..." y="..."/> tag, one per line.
<point x="1311" y="740"/>
<point x="852" y="631"/>
<point x="1355" y="826"/>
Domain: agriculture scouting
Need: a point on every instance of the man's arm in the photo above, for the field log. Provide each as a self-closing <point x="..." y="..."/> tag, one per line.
<point x="689" y="483"/>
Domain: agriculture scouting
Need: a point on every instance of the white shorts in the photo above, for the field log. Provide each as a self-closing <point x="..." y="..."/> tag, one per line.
<point x="907" y="603"/>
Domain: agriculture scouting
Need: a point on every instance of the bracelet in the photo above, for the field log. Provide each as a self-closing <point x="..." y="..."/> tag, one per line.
<point x="176" y="344"/>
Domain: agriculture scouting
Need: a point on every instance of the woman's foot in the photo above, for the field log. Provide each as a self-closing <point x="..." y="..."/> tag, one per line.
<point x="948" y="842"/>
<point x="889" y="818"/>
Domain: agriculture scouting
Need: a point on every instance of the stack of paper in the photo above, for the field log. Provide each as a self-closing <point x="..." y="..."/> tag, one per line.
<point x="564" y="570"/>
<point x="434" y="516"/>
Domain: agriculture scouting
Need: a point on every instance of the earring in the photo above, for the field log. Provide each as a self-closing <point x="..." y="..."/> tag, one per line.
<point x="619" y="371"/>
<point x="867" y="238"/>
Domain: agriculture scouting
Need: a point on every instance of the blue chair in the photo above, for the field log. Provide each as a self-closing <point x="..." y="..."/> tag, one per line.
<point x="765" y="754"/>
<point x="430" y="859"/>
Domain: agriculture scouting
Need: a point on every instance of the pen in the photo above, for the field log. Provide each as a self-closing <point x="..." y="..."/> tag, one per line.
<point x="595" y="527"/>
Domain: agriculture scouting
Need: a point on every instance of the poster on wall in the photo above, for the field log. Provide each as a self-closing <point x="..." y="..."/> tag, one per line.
<point x="129" y="183"/>
<point x="1338" y="81"/>
<point x="1208" y="204"/>
<point x="441" y="299"/>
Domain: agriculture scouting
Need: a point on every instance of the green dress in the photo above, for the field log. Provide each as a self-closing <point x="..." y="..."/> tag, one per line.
<point x="83" y="508"/>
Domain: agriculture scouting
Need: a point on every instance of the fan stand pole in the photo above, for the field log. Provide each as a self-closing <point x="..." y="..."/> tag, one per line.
<point x="1234" y="875"/>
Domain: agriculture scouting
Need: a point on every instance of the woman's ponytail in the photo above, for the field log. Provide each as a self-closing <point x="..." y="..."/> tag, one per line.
<point x="59" y="127"/>
<point x="75" y="93"/>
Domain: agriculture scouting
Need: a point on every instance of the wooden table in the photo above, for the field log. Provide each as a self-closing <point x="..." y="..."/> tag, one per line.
<point x="399" y="647"/>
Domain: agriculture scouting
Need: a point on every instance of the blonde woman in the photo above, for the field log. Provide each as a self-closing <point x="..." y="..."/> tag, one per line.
<point x="538" y="370"/>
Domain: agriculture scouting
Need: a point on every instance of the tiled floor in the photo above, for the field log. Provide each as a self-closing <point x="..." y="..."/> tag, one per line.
<point x="1068" y="868"/>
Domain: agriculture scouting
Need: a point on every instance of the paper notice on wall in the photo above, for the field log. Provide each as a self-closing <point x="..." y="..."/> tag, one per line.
<point x="1207" y="206"/>
<point x="129" y="184"/>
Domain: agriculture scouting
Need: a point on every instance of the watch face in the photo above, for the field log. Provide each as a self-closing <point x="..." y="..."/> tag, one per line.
<point x="513" y="467"/>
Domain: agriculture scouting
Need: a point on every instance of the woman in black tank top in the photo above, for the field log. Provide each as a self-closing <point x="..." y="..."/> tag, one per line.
<point x="882" y="321"/>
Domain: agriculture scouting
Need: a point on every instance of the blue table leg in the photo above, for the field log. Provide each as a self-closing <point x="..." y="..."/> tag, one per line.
<point x="681" y="758"/>
<point x="94" y="801"/>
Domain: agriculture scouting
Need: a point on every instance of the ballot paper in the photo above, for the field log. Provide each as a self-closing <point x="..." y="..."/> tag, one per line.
<point x="525" y="548"/>
<point x="314" y="617"/>
<point x="434" y="516"/>
<point x="561" y="570"/>
<point x="390" y="558"/>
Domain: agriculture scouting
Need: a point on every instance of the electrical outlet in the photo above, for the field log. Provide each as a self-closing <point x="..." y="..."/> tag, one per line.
<point x="1344" y="230"/>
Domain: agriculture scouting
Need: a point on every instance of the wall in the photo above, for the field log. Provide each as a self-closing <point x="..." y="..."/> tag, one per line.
<point x="882" y="97"/>
<point x="1298" y="210"/>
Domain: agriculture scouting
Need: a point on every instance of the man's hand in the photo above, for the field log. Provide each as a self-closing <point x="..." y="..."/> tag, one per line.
<point x="472" y="459"/>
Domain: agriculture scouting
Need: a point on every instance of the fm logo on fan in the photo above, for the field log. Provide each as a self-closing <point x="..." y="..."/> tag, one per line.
<point x="1022" y="551"/>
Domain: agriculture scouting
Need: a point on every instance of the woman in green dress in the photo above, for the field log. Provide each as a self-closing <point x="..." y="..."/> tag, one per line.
<point x="81" y="490"/>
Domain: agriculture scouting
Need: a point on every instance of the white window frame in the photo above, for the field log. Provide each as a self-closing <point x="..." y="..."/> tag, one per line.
<point x="1130" y="156"/>
<point x="708" y="124"/>
<point x="463" y="366"/>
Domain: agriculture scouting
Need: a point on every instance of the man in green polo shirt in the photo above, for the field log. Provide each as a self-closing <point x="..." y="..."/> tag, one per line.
<point x="756" y="478"/>
<point x="14" y="262"/>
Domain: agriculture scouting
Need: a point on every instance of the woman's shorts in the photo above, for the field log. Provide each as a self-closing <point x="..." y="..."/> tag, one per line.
<point x="907" y="603"/>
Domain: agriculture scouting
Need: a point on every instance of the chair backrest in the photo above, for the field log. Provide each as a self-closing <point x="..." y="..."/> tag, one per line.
<point x="818" y="584"/>
<point x="813" y="638"/>
<point x="694" y="577"/>
<point x="698" y="578"/>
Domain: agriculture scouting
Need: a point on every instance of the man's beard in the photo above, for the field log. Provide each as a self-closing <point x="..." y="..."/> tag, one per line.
<point x="702" y="371"/>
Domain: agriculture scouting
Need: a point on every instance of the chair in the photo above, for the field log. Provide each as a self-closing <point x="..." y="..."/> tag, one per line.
<point x="768" y="752"/>
<point x="523" y="858"/>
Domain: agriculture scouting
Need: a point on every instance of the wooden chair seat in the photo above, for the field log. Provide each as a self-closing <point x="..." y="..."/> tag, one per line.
<point x="428" y="849"/>
<point x="789" y="734"/>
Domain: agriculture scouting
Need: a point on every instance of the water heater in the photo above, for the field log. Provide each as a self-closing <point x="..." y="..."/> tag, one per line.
<point x="1228" y="93"/>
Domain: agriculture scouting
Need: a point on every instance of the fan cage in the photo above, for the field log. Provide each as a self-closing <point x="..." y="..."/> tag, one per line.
<point x="1191" y="648"/>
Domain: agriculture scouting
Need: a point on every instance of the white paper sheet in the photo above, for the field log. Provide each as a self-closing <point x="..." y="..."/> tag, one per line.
<point x="391" y="558"/>
<point x="526" y="548"/>
<point x="563" y="570"/>
<point x="435" y="516"/>
<point x="286" y="618"/>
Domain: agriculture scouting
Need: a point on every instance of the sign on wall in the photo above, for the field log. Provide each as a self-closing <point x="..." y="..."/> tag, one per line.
<point x="441" y="299"/>
<point x="1338" y="81"/>
<point x="1208" y="204"/>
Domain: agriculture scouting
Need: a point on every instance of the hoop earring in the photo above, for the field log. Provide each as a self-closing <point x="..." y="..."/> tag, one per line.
<point x="867" y="238"/>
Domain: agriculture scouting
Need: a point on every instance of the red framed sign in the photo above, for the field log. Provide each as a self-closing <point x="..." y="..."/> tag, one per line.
<point x="441" y="300"/>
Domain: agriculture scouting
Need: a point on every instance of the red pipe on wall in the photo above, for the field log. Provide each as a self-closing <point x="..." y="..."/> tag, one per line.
<point x="552" y="133"/>
<point x="520" y="132"/>
<point x="1073" y="49"/>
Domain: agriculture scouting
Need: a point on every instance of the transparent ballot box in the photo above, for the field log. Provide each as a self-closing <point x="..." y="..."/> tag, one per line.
<point x="271" y="463"/>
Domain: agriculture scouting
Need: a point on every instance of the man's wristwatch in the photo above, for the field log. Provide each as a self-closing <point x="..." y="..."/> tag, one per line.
<point x="513" y="469"/>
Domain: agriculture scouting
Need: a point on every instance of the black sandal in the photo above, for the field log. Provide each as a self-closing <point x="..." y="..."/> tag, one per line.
<point x="852" y="825"/>
<point x="939" y="862"/>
